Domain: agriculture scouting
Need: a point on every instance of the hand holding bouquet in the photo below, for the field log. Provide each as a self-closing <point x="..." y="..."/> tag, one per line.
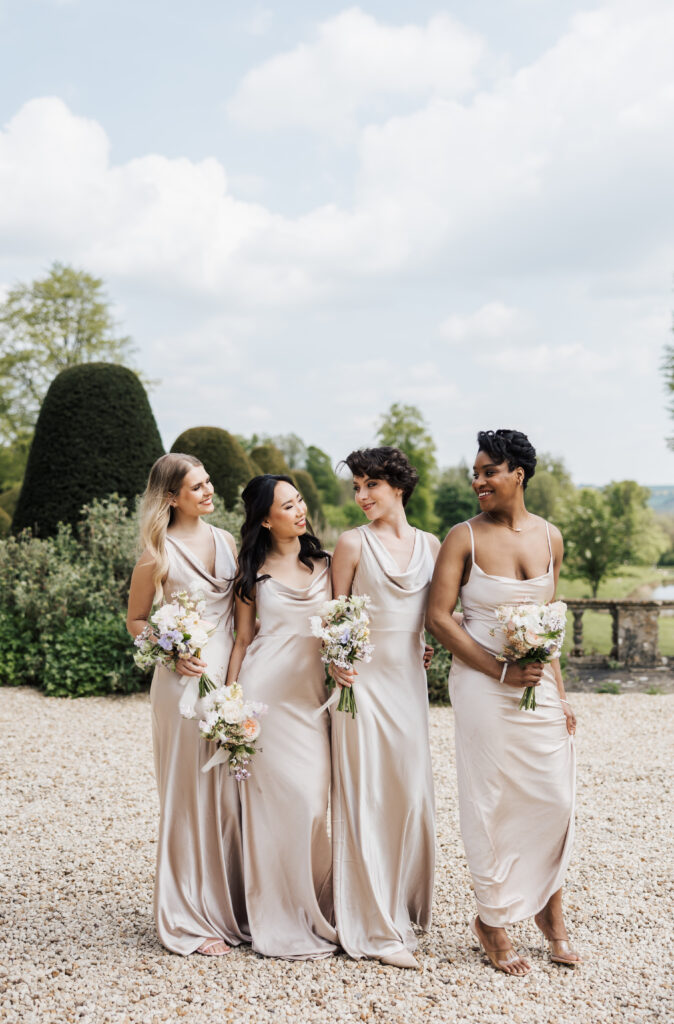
<point x="174" y="632"/>
<point x="234" y="724"/>
<point x="343" y="629"/>
<point x="533" y="632"/>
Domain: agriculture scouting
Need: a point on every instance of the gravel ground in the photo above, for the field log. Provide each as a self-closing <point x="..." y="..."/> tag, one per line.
<point x="77" y="941"/>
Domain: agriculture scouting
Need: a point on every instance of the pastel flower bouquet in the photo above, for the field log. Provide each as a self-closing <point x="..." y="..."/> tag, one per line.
<point x="177" y="631"/>
<point x="234" y="724"/>
<point x="532" y="632"/>
<point x="343" y="629"/>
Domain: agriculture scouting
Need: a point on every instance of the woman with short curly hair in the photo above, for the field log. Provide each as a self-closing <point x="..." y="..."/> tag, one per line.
<point x="383" y="824"/>
<point x="515" y="768"/>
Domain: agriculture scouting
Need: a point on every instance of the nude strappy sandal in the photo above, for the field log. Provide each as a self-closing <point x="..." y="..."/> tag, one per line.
<point x="499" y="958"/>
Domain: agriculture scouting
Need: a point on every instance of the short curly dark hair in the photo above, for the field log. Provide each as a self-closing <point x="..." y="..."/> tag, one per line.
<point x="385" y="463"/>
<point x="511" y="446"/>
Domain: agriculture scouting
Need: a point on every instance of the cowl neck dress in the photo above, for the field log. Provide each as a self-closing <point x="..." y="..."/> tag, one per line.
<point x="199" y="890"/>
<point x="515" y="769"/>
<point x="383" y="815"/>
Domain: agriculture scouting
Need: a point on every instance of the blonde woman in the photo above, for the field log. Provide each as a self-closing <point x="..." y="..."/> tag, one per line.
<point x="199" y="901"/>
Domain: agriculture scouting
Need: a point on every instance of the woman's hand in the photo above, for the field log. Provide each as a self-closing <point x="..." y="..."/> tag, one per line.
<point x="570" y="718"/>
<point x="428" y="655"/>
<point x="190" y="666"/>
<point x="524" y="675"/>
<point x="342" y="676"/>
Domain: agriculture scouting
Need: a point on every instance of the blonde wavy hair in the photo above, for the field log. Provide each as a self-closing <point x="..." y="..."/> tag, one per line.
<point x="156" y="514"/>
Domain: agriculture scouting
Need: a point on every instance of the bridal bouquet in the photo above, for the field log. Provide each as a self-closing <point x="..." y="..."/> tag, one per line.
<point x="176" y="631"/>
<point x="533" y="632"/>
<point x="343" y="629"/>
<point x="234" y="724"/>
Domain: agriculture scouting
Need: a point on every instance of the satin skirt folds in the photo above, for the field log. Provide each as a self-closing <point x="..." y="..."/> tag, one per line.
<point x="287" y="853"/>
<point x="516" y="780"/>
<point x="199" y="891"/>
<point x="383" y="815"/>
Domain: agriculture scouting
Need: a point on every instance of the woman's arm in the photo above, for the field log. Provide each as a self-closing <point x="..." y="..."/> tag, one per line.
<point x="558" y="557"/>
<point x="444" y="594"/>
<point x="344" y="564"/>
<point x="244" y="624"/>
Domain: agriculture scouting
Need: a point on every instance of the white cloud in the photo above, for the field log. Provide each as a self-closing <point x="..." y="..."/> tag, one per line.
<point x="259" y="22"/>
<point x="355" y="65"/>
<point x="495" y="321"/>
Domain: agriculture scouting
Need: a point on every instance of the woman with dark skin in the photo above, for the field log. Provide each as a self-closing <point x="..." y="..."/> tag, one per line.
<point x="515" y="768"/>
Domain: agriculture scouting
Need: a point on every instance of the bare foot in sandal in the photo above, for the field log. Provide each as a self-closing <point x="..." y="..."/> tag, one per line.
<point x="213" y="947"/>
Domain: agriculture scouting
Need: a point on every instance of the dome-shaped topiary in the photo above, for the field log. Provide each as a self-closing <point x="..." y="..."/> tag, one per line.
<point x="304" y="482"/>
<point x="222" y="455"/>
<point x="270" y="459"/>
<point x="95" y="436"/>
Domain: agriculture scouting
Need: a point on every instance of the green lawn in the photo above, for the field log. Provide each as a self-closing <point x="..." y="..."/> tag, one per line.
<point x="597" y="625"/>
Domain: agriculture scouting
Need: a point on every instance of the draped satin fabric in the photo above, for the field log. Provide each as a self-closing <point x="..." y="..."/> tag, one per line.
<point x="515" y="769"/>
<point x="383" y="819"/>
<point x="199" y="891"/>
<point x="287" y="856"/>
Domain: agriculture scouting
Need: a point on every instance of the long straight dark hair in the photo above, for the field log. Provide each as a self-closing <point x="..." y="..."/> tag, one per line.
<point x="258" y="498"/>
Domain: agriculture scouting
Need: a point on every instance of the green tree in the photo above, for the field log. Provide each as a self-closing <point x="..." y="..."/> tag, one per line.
<point x="550" y="485"/>
<point x="95" y="436"/>
<point x="643" y="538"/>
<point x="455" y="499"/>
<point x="404" y="427"/>
<point x="229" y="467"/>
<point x="319" y="465"/>
<point x="594" y="548"/>
<point x="304" y="483"/>
<point x="293" y="450"/>
<point x="47" y="326"/>
<point x="270" y="460"/>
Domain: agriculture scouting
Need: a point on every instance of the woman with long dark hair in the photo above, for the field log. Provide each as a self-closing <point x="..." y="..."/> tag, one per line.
<point x="198" y="896"/>
<point x="284" y="578"/>
<point x="383" y="820"/>
<point x="515" y="768"/>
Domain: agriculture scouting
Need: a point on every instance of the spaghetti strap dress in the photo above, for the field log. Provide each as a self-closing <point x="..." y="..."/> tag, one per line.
<point x="515" y="769"/>
<point x="198" y="890"/>
<point x="286" y="845"/>
<point x="383" y="813"/>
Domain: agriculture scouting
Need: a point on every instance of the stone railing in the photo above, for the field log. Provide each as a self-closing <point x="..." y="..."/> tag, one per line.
<point x="635" y="631"/>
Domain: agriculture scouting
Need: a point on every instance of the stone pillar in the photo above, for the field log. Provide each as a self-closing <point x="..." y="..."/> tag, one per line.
<point x="577" y="649"/>
<point x="636" y="633"/>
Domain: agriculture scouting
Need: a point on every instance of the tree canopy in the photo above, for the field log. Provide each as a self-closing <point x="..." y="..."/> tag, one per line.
<point x="404" y="427"/>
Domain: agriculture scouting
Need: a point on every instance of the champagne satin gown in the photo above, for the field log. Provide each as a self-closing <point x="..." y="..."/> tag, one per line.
<point x="286" y="847"/>
<point x="383" y="814"/>
<point x="515" y="769"/>
<point x="199" y="891"/>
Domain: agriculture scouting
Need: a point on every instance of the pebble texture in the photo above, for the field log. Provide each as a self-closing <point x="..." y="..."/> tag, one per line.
<point x="77" y="943"/>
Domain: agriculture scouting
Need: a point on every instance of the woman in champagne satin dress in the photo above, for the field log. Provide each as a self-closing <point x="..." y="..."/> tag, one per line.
<point x="383" y="821"/>
<point x="198" y="896"/>
<point x="515" y="768"/>
<point x="284" y="577"/>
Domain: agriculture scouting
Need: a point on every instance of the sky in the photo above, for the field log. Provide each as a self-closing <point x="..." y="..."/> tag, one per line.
<point x="304" y="212"/>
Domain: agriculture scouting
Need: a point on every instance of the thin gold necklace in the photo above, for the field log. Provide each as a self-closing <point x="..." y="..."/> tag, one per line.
<point x="513" y="529"/>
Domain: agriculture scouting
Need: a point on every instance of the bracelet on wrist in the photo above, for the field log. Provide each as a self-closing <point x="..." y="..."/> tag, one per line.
<point x="505" y="668"/>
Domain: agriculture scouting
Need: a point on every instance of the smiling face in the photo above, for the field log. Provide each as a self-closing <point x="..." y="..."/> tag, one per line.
<point x="496" y="486"/>
<point x="376" y="497"/>
<point x="287" y="516"/>
<point x="195" y="497"/>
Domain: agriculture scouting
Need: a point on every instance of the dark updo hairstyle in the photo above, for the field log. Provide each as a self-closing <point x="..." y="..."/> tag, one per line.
<point x="386" y="463"/>
<point x="258" y="498"/>
<point x="511" y="446"/>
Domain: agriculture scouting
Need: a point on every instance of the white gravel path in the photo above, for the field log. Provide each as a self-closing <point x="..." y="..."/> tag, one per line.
<point x="77" y="940"/>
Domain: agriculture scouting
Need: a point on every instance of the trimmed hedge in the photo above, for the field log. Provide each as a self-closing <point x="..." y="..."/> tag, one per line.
<point x="228" y="465"/>
<point x="270" y="460"/>
<point x="304" y="482"/>
<point x="95" y="436"/>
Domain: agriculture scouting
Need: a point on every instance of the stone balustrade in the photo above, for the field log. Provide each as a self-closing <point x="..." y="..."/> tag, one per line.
<point x="635" y="631"/>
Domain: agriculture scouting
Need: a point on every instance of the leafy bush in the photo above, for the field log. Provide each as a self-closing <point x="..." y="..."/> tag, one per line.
<point x="95" y="436"/>
<point x="89" y="656"/>
<point x="304" y="483"/>
<point x="9" y="499"/>
<point x="228" y="465"/>
<point x="438" y="672"/>
<point x="5" y="523"/>
<point x="270" y="459"/>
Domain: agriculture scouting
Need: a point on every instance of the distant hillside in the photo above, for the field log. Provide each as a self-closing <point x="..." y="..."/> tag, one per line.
<point x="662" y="499"/>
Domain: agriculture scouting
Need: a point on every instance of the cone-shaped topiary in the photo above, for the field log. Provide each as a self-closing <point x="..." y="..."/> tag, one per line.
<point x="222" y="455"/>
<point x="270" y="459"/>
<point x="304" y="482"/>
<point x="95" y="436"/>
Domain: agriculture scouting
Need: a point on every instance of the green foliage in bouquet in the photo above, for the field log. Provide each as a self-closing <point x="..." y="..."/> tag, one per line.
<point x="95" y="436"/>
<point x="225" y="460"/>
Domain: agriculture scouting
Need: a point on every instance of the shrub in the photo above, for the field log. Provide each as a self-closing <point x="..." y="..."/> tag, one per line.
<point x="95" y="436"/>
<point x="438" y="672"/>
<point x="88" y="657"/>
<point x="9" y="499"/>
<point x="304" y="483"/>
<point x="270" y="460"/>
<point x="227" y="463"/>
<point x="5" y="523"/>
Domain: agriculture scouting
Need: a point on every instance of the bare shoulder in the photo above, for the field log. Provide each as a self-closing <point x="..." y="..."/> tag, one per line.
<point x="349" y="544"/>
<point x="433" y="543"/>
<point x="458" y="538"/>
<point x="228" y="539"/>
<point x="146" y="562"/>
